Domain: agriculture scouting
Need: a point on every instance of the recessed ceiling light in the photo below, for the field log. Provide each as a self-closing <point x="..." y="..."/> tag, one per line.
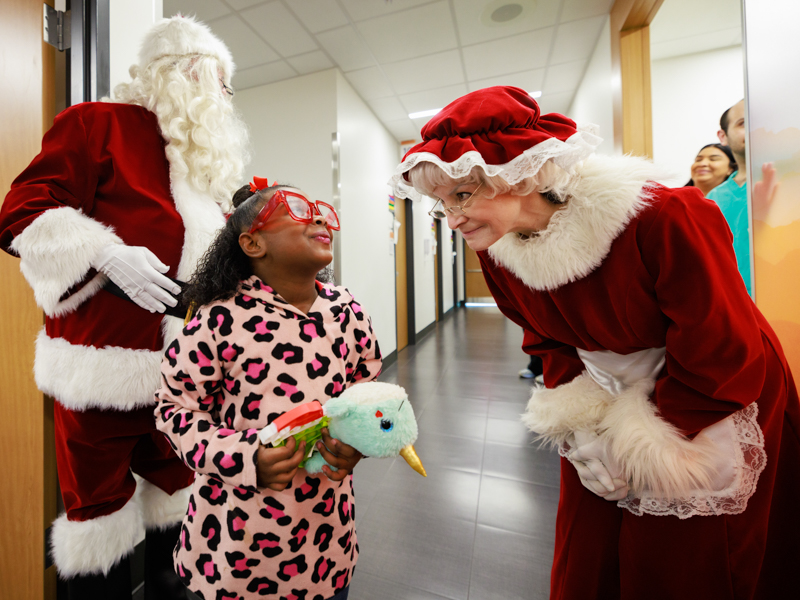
<point x="423" y="113"/>
<point x="506" y="12"/>
<point x="535" y="94"/>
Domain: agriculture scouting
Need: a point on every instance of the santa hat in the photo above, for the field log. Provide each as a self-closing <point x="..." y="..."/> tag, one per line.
<point x="501" y="130"/>
<point x="182" y="36"/>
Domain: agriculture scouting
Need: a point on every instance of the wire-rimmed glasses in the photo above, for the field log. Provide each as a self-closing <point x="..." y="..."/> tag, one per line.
<point x="439" y="210"/>
<point x="226" y="88"/>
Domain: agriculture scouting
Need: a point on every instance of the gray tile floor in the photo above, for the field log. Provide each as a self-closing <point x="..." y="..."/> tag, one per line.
<point x="481" y="525"/>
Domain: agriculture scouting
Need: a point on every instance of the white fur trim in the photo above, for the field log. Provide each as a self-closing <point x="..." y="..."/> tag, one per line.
<point x="56" y="252"/>
<point x="654" y="455"/>
<point x="159" y="509"/>
<point x="202" y="221"/>
<point x="565" y="154"/>
<point x="181" y="36"/>
<point x="95" y="546"/>
<point x="83" y="377"/>
<point x="741" y="449"/>
<point x="555" y="413"/>
<point x="608" y="193"/>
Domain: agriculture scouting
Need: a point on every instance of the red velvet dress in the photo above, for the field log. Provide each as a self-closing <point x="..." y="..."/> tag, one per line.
<point x="670" y="280"/>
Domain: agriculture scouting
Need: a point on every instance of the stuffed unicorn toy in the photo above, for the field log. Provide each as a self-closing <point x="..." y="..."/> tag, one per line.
<point x="374" y="418"/>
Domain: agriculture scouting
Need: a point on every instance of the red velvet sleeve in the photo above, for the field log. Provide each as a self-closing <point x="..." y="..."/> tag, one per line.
<point x="61" y="175"/>
<point x="716" y="360"/>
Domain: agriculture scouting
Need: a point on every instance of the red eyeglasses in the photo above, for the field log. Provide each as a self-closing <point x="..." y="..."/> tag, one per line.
<point x="298" y="207"/>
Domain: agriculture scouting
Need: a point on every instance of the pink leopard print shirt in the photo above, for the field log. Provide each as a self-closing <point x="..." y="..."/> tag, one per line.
<point x="237" y="366"/>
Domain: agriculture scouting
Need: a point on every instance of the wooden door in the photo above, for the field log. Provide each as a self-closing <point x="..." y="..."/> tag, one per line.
<point x="475" y="286"/>
<point x="401" y="274"/>
<point x="28" y="505"/>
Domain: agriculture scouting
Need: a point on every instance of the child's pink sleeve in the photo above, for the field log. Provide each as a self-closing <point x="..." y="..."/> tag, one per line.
<point x="189" y="403"/>
<point x="370" y="360"/>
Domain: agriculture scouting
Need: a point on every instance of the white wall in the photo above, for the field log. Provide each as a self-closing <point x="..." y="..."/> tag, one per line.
<point x="593" y="102"/>
<point x="690" y="93"/>
<point x="447" y="268"/>
<point x="368" y="156"/>
<point x="424" y="290"/>
<point x="291" y="123"/>
<point x="129" y="20"/>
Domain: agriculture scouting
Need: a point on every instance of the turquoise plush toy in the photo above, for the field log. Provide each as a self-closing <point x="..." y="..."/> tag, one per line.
<point x="374" y="418"/>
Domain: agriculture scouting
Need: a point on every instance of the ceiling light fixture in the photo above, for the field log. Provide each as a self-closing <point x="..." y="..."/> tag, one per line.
<point x="500" y="13"/>
<point x="423" y="113"/>
<point x="535" y="94"/>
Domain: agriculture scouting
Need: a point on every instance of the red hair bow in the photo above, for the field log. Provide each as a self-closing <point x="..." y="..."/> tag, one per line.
<point x="259" y="183"/>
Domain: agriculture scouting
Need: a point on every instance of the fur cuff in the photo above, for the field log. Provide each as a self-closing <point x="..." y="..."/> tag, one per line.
<point x="555" y="413"/>
<point x="56" y="252"/>
<point x="95" y="546"/>
<point x="159" y="509"/>
<point x="654" y="455"/>
<point x="83" y="377"/>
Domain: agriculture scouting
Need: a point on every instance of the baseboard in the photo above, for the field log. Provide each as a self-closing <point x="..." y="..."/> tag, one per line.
<point x="420" y="335"/>
<point x="390" y="359"/>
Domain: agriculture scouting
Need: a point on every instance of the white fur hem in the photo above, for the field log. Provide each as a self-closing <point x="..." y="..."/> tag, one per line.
<point x="740" y="442"/>
<point x="654" y="455"/>
<point x="83" y="377"/>
<point x="159" y="509"/>
<point x="56" y="252"/>
<point x="601" y="201"/>
<point x="555" y="413"/>
<point x="95" y="546"/>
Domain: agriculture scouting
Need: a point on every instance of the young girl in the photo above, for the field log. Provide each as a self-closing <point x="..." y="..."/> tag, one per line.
<point x="266" y="336"/>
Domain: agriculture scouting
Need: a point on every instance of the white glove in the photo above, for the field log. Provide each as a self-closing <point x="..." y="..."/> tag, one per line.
<point x="138" y="272"/>
<point x="598" y="472"/>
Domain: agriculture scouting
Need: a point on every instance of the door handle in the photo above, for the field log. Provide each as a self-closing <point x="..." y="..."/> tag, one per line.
<point x="474" y="271"/>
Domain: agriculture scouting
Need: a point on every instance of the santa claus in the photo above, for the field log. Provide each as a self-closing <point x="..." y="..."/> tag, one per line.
<point x="125" y="194"/>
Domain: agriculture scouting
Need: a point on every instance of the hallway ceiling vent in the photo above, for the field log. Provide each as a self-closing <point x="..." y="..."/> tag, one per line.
<point x="503" y="12"/>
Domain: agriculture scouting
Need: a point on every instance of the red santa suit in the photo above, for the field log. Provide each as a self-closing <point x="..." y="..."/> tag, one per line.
<point x="632" y="298"/>
<point x="102" y="178"/>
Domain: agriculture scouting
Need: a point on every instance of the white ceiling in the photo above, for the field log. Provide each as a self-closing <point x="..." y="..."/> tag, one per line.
<point x="689" y="26"/>
<point x="405" y="56"/>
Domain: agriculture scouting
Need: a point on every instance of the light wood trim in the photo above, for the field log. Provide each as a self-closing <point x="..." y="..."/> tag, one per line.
<point x="630" y="63"/>
<point x="637" y="113"/>
<point x="28" y="108"/>
<point x="401" y="274"/>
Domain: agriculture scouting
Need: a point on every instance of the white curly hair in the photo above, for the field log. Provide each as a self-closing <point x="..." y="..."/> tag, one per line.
<point x="551" y="180"/>
<point x="206" y="138"/>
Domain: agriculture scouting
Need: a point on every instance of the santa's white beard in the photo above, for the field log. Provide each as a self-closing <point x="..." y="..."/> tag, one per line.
<point x="207" y="144"/>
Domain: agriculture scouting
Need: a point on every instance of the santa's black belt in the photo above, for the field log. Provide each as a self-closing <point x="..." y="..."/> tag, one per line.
<point x="179" y="310"/>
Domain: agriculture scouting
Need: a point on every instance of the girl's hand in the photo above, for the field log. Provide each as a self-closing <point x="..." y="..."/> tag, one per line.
<point x="340" y="455"/>
<point x="276" y="466"/>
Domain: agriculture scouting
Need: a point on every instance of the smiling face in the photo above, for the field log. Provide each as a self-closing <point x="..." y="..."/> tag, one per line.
<point x="735" y="134"/>
<point x="288" y="244"/>
<point x="486" y="220"/>
<point x="710" y="168"/>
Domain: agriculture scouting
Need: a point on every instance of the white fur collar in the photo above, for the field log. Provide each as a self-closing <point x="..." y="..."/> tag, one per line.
<point x="202" y="220"/>
<point x="608" y="194"/>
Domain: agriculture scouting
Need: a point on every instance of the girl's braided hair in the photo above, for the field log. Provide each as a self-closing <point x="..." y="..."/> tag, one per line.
<point x="224" y="265"/>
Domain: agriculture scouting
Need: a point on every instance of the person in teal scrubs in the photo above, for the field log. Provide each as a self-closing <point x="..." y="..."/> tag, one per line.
<point x="731" y="196"/>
